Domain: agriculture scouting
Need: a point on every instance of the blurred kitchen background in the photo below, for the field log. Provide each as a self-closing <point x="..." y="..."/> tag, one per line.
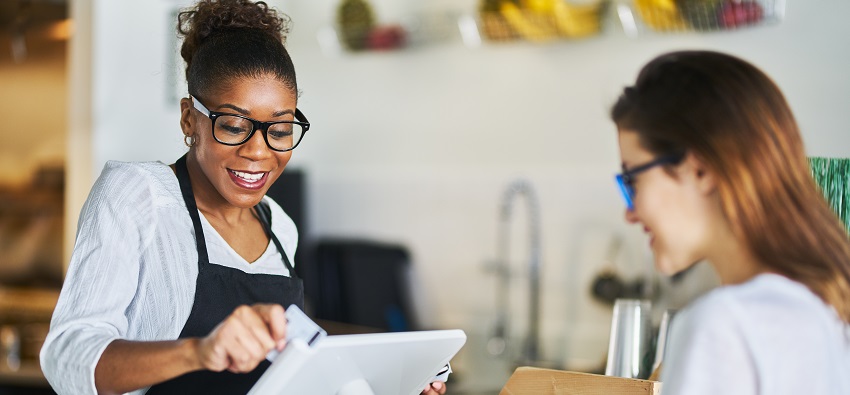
<point x="460" y="151"/>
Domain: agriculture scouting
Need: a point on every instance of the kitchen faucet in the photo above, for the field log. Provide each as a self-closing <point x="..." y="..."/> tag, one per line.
<point x="498" y="342"/>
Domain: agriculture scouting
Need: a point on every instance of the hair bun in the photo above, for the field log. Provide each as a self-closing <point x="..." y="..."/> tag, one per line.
<point x="210" y="17"/>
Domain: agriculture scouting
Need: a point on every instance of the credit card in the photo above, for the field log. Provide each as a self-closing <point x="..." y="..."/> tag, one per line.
<point x="443" y="374"/>
<point x="301" y="328"/>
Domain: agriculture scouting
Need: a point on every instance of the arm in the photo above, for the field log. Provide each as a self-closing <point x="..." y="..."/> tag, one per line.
<point x="238" y="345"/>
<point x="128" y="365"/>
<point x="101" y="280"/>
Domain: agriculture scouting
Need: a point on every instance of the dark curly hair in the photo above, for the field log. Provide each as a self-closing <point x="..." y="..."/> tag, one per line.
<point x="227" y="39"/>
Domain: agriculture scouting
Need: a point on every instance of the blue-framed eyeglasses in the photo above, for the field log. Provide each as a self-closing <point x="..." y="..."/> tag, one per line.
<point x="235" y="129"/>
<point x="626" y="179"/>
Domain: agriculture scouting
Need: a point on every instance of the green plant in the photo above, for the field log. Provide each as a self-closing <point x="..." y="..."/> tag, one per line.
<point x="832" y="176"/>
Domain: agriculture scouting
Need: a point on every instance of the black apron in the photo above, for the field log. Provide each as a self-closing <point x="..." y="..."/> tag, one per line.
<point x="218" y="291"/>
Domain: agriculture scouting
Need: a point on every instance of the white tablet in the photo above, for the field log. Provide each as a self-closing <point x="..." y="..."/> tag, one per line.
<point x="399" y="363"/>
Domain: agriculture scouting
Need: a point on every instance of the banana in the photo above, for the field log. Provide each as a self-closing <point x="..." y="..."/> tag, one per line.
<point x="576" y="21"/>
<point x="539" y="6"/>
<point x="660" y="15"/>
<point x="535" y="30"/>
<point x="667" y="5"/>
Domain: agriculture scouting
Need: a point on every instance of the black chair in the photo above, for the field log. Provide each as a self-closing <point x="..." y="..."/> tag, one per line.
<point x="362" y="283"/>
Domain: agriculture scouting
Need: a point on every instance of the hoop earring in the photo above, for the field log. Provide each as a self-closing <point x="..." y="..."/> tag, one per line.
<point x="188" y="140"/>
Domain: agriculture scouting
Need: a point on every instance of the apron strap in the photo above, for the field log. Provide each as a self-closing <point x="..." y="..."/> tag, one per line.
<point x="189" y="199"/>
<point x="264" y="213"/>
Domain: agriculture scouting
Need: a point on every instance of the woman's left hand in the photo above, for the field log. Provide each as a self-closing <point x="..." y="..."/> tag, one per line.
<point x="435" y="388"/>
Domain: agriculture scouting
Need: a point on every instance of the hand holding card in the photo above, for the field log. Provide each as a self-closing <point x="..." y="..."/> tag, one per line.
<point x="301" y="328"/>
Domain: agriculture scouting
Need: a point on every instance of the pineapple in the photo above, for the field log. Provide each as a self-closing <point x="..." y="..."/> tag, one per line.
<point x="493" y="24"/>
<point x="489" y="6"/>
<point x="355" y="19"/>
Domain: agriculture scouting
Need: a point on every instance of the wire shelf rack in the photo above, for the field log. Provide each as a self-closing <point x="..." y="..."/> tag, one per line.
<point x="672" y="16"/>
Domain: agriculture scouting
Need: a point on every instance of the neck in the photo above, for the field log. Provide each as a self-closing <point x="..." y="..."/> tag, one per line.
<point x="209" y="200"/>
<point x="228" y="215"/>
<point x="733" y="260"/>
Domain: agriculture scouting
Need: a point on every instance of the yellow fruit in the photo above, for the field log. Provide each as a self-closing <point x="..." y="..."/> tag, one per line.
<point x="668" y="5"/>
<point x="541" y="6"/>
<point x="533" y="30"/>
<point x="576" y="21"/>
<point x="660" y="14"/>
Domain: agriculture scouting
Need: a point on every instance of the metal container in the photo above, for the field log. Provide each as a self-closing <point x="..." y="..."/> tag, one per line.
<point x="663" y="335"/>
<point x="630" y="339"/>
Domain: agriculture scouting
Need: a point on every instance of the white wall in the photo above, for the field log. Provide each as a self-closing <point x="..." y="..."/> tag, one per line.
<point x="416" y="146"/>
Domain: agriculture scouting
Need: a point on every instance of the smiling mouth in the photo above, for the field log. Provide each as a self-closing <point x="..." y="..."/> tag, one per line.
<point x="248" y="180"/>
<point x="249" y="177"/>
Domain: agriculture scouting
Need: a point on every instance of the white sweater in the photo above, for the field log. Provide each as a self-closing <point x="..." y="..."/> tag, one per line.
<point x="768" y="336"/>
<point x="133" y="270"/>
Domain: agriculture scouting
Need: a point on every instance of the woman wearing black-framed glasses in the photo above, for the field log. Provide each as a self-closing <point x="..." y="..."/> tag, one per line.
<point x="181" y="273"/>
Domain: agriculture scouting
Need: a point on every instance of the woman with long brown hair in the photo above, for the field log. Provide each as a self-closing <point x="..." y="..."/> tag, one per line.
<point x="714" y="169"/>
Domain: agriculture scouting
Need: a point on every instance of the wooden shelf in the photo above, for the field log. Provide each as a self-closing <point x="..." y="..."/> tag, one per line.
<point x="36" y="303"/>
<point x="29" y="374"/>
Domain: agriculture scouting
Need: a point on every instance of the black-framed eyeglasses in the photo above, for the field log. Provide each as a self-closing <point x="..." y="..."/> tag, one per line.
<point x="235" y="129"/>
<point x="626" y="179"/>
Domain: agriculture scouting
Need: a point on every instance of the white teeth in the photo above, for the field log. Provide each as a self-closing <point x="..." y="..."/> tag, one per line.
<point x="248" y="176"/>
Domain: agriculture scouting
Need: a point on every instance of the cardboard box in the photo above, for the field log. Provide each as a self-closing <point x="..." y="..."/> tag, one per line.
<point x="528" y="380"/>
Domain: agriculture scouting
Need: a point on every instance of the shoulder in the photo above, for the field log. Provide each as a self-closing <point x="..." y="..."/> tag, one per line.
<point x="130" y="174"/>
<point x="132" y="170"/>
<point x="765" y="314"/>
<point x="146" y="172"/>
<point x="135" y="181"/>
<point x="763" y="292"/>
<point x="744" y="334"/>
<point x="765" y="298"/>
<point x="742" y="312"/>
<point x="130" y="193"/>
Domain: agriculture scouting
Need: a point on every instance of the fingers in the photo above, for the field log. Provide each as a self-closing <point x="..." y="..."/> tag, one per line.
<point x="250" y="339"/>
<point x="435" y="388"/>
<point x="255" y="324"/>
<point x="242" y="340"/>
<point x="275" y="319"/>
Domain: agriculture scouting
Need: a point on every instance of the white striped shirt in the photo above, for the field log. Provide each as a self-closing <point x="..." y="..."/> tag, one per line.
<point x="133" y="270"/>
